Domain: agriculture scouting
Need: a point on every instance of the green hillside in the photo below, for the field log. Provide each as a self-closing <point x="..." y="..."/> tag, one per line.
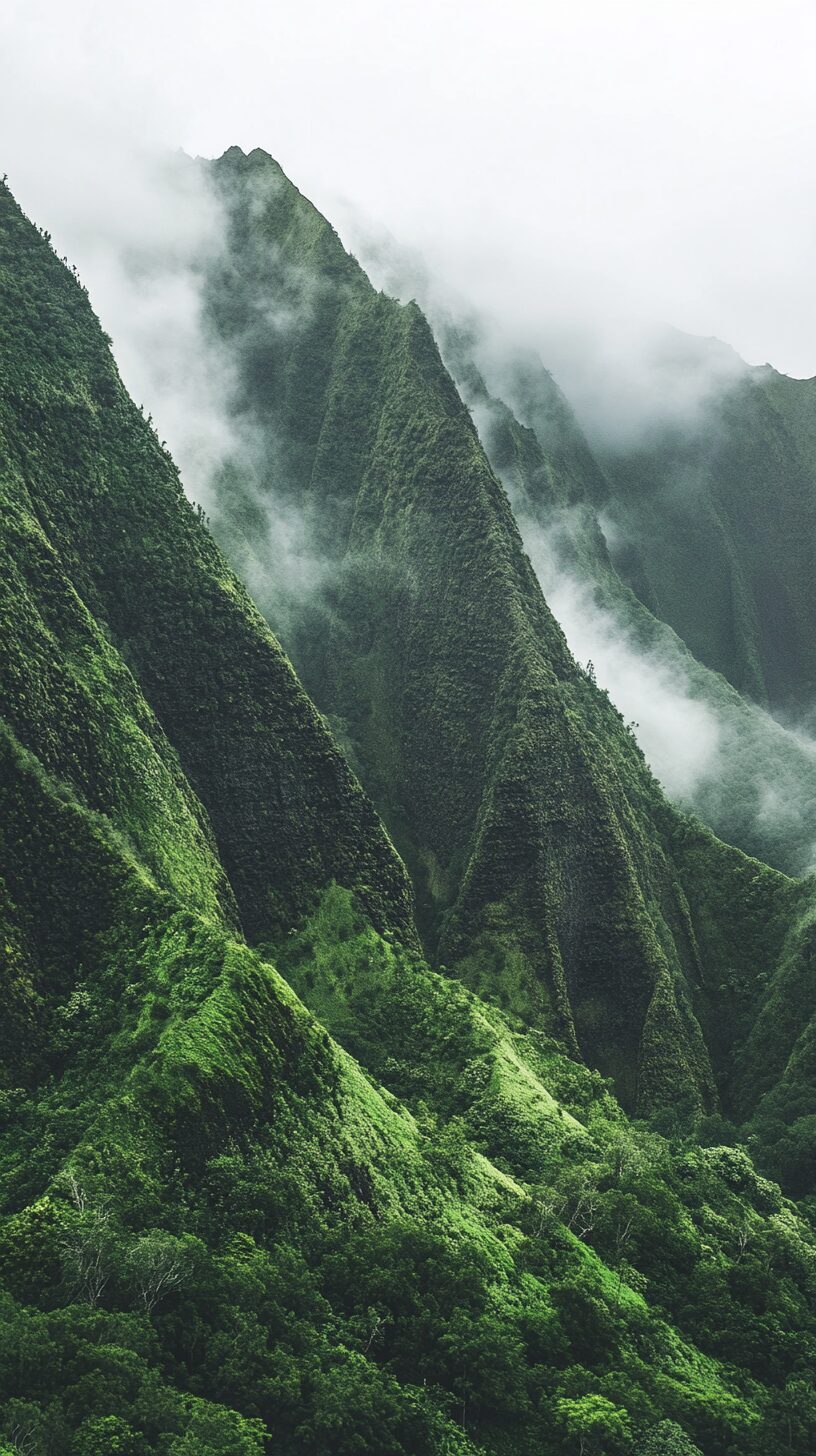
<point x="99" y="528"/>
<point x="270" y="1183"/>
<point x="561" y="501"/>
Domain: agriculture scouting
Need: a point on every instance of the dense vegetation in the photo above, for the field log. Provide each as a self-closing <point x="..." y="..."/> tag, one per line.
<point x="269" y="1182"/>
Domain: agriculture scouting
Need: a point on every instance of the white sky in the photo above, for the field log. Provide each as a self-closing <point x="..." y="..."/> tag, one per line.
<point x="576" y="157"/>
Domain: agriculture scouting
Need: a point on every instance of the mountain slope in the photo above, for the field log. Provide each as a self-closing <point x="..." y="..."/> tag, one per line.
<point x="549" y="870"/>
<point x="716" y="520"/>
<point x="107" y="531"/>
<point x="758" y="1036"/>
<point x="751" y="779"/>
<point x="221" y="1237"/>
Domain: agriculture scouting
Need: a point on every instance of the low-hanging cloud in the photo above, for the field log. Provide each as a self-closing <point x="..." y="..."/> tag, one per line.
<point x="628" y="378"/>
<point x="143" y="228"/>
<point x="678" y="732"/>
<point x="748" y="776"/>
<point x="148" y="232"/>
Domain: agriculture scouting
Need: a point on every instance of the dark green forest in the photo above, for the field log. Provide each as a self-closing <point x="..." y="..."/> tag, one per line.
<point x="387" y="1065"/>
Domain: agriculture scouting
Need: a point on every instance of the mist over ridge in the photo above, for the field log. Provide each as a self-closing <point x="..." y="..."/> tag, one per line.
<point x="151" y="264"/>
<point x="751" y="776"/>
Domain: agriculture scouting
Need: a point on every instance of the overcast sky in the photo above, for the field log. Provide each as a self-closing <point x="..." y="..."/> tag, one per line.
<point x="652" y="159"/>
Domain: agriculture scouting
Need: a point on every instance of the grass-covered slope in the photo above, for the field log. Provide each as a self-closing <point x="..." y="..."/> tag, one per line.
<point x="541" y="849"/>
<point x="219" y="1235"/>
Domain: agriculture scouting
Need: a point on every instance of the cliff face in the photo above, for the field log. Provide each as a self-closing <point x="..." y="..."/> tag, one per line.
<point x="748" y="776"/>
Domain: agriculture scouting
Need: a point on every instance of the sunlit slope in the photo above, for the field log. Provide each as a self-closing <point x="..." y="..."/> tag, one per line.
<point x="220" y="1236"/>
<point x="543" y="854"/>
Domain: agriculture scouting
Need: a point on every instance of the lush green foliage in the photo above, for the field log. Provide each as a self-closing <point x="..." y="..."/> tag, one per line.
<point x="269" y="1182"/>
<point x="756" y="1020"/>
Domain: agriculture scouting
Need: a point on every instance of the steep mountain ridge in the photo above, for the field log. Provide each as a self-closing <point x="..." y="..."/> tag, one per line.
<point x="219" y="1234"/>
<point x="108" y="534"/>
<point x="757" y="787"/>
<point x="549" y="871"/>
<point x="560" y="500"/>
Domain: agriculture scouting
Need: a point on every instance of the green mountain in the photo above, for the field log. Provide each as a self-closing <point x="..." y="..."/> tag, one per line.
<point x="550" y="873"/>
<point x="404" y="1220"/>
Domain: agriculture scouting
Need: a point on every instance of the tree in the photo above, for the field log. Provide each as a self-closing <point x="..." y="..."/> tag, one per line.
<point x="213" y="1431"/>
<point x="22" y="1429"/>
<point x="87" y="1245"/>
<point x="158" y="1263"/>
<point x="595" y="1424"/>
<point x="572" y="1199"/>
<point x="108" y="1436"/>
<point x="668" y="1439"/>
